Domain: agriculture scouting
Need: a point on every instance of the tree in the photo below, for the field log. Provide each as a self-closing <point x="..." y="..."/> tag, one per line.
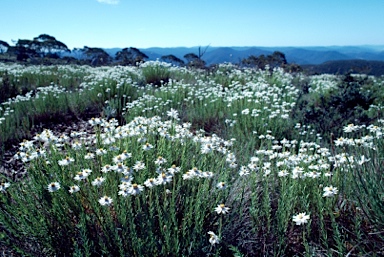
<point x="202" y="51"/>
<point x="44" y="45"/>
<point x="44" y="38"/>
<point x="130" y="56"/>
<point x="172" y="59"/>
<point x="276" y="59"/>
<point x="49" y="46"/>
<point x="23" y="53"/>
<point x="194" y="61"/>
<point x="254" y="61"/>
<point x="293" y="68"/>
<point x="3" y="47"/>
<point x="96" y="56"/>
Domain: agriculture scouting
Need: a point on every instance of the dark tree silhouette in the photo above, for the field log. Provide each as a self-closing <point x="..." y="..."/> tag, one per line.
<point x="254" y="61"/>
<point x="276" y="59"/>
<point x="172" y="59"/>
<point x="23" y="53"/>
<point x="49" y="46"/>
<point x="44" y="45"/>
<point x="130" y="56"/>
<point x="3" y="47"/>
<point x="96" y="56"/>
<point x="194" y="61"/>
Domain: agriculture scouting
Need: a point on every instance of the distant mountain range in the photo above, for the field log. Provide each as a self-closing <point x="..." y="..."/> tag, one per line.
<point x="299" y="55"/>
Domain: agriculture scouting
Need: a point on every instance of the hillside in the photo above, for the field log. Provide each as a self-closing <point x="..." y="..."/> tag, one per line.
<point x="375" y="68"/>
<point x="299" y="55"/>
<point x="104" y="161"/>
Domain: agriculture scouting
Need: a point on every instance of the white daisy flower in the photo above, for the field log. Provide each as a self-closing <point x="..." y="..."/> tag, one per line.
<point x="330" y="191"/>
<point x="53" y="187"/>
<point x="98" y="181"/>
<point x="74" y="189"/>
<point x="105" y="200"/>
<point x="222" y="209"/>
<point x="135" y="189"/>
<point x="213" y="238"/>
<point x="300" y="218"/>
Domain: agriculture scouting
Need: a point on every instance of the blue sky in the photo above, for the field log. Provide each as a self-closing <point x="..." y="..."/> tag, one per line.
<point x="171" y="23"/>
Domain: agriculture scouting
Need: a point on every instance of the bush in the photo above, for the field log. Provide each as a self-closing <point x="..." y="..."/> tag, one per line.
<point x="332" y="108"/>
<point x="99" y="219"/>
<point x="156" y="73"/>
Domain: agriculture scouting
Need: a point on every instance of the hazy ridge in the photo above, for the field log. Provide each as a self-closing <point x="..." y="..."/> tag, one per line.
<point x="299" y="55"/>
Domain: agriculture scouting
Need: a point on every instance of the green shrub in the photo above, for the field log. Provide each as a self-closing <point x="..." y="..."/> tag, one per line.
<point x="156" y="73"/>
<point x="329" y="108"/>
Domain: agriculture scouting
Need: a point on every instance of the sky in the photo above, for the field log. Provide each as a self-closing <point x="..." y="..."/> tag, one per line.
<point x="176" y="23"/>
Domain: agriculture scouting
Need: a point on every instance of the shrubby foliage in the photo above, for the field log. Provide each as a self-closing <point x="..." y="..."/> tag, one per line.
<point x="96" y="56"/>
<point x="276" y="59"/>
<point x="346" y="101"/>
<point x="172" y="60"/>
<point x="45" y="49"/>
<point x="130" y="56"/>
